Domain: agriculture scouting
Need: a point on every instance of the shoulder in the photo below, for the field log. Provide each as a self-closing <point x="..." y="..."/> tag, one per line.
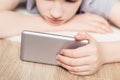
<point x="30" y="6"/>
<point x="100" y="7"/>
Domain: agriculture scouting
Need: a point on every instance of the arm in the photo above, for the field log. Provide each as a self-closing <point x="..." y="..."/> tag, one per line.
<point x="110" y="51"/>
<point x="114" y="16"/>
<point x="13" y="23"/>
<point x="88" y="59"/>
<point x="89" y="23"/>
<point x="8" y="4"/>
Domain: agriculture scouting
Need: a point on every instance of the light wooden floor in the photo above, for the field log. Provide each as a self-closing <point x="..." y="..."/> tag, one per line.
<point x="12" y="68"/>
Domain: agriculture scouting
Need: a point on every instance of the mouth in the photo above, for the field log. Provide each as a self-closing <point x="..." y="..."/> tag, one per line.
<point x="54" y="20"/>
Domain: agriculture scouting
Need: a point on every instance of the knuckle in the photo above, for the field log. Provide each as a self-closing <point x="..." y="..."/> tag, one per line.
<point x="98" y="28"/>
<point x="75" y="55"/>
<point x="90" y="73"/>
<point x="102" y="20"/>
<point x="73" y="63"/>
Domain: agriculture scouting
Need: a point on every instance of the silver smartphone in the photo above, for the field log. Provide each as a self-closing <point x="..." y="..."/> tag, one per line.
<point x="43" y="47"/>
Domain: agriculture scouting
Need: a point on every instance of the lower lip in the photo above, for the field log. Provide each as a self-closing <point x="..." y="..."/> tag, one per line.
<point x="55" y="21"/>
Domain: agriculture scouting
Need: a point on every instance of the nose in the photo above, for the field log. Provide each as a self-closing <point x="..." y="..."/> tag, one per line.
<point x="56" y="11"/>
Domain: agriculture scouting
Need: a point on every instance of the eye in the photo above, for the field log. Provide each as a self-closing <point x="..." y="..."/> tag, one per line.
<point x="49" y="0"/>
<point x="71" y="1"/>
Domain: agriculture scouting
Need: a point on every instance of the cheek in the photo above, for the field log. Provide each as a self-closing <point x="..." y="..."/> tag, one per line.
<point x="70" y="9"/>
<point x="43" y="6"/>
<point x="43" y="9"/>
<point x="69" y="13"/>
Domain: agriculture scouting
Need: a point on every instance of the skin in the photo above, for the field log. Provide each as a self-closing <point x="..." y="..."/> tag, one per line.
<point x="77" y="61"/>
<point x="82" y="60"/>
<point x="58" y="11"/>
<point x="84" y="22"/>
<point x="88" y="59"/>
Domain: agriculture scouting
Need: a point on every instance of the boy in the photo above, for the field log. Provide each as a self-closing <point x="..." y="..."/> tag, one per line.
<point x="48" y="19"/>
<point x="59" y="15"/>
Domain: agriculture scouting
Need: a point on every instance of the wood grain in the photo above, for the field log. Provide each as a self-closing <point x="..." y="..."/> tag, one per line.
<point x="12" y="68"/>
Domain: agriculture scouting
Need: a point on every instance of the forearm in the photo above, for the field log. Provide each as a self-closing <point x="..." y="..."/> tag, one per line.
<point x="12" y="24"/>
<point x="110" y="51"/>
<point x="114" y="16"/>
<point x="8" y="4"/>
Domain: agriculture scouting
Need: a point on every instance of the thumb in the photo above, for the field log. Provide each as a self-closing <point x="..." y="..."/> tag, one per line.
<point x="85" y="36"/>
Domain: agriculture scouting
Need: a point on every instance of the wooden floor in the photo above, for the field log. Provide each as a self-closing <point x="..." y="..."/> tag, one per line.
<point x="12" y="68"/>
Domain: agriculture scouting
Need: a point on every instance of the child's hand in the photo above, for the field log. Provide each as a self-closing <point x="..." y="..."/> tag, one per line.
<point x="89" y="23"/>
<point x="84" y="60"/>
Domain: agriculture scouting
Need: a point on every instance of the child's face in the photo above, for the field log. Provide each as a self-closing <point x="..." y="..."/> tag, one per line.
<point x="58" y="11"/>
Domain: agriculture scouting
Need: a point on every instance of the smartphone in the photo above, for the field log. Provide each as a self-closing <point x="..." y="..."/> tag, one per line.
<point x="43" y="47"/>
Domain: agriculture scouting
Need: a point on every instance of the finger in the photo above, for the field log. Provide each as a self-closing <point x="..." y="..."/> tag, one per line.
<point x="76" y="68"/>
<point x="85" y="36"/>
<point x="85" y="73"/>
<point x="99" y="19"/>
<point x="103" y="21"/>
<point x="70" y="53"/>
<point x="72" y="61"/>
<point x="74" y="53"/>
<point x="99" y="26"/>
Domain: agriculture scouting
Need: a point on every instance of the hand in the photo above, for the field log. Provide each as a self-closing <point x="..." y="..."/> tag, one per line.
<point x="89" y="23"/>
<point x="84" y="60"/>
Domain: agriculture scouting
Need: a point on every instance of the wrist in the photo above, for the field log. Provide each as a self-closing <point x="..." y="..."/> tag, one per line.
<point x="110" y="52"/>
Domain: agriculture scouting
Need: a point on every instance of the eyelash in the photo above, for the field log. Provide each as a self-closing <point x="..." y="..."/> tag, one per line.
<point x="70" y="1"/>
<point x="49" y="0"/>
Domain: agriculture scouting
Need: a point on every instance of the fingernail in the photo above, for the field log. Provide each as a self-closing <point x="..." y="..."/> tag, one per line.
<point x="82" y="33"/>
<point x="57" y="57"/>
<point x="62" y="51"/>
<point x="58" y="62"/>
<point x="110" y="30"/>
